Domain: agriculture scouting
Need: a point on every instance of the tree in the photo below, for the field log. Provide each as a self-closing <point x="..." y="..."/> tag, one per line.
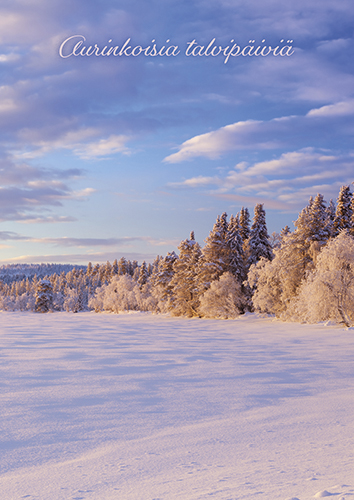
<point x="117" y="296"/>
<point x="44" y="296"/>
<point x="275" y="283"/>
<point x="143" y="275"/>
<point x="223" y="300"/>
<point x="235" y="250"/>
<point x="215" y="255"/>
<point x="258" y="244"/>
<point x="244" y="220"/>
<point x="328" y="291"/>
<point x="319" y="223"/>
<point x="185" y="300"/>
<point x="344" y="212"/>
<point x="161" y="280"/>
<point x="122" y="266"/>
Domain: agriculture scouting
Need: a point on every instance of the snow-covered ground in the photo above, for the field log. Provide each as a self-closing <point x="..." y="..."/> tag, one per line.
<point x="137" y="406"/>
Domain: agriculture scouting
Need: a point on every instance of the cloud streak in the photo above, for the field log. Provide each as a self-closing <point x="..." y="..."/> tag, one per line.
<point x="284" y="183"/>
<point x="27" y="191"/>
<point x="268" y="135"/>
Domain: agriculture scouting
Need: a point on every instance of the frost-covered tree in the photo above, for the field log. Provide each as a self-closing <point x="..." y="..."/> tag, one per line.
<point x="245" y="222"/>
<point x="269" y="283"/>
<point x="44" y="296"/>
<point x="117" y="296"/>
<point x="236" y="264"/>
<point x="351" y="229"/>
<point x="143" y="275"/>
<point x="215" y="255"/>
<point x="319" y="222"/>
<point x="331" y="213"/>
<point x="276" y="282"/>
<point x="328" y="291"/>
<point x="301" y="247"/>
<point x="122" y="266"/>
<point x="258" y="244"/>
<point x="344" y="212"/>
<point x="161" y="280"/>
<point x="115" y="268"/>
<point x="223" y="299"/>
<point x="185" y="296"/>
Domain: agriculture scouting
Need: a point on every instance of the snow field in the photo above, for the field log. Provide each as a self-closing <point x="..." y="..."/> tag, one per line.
<point x="144" y="407"/>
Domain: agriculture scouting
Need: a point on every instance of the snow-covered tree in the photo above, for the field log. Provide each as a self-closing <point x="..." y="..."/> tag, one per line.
<point x="258" y="244"/>
<point x="236" y="264"/>
<point x="276" y="282"/>
<point x="123" y="266"/>
<point x="331" y="213"/>
<point x="161" y="279"/>
<point x="328" y="291"/>
<point x="300" y="248"/>
<point x="223" y="299"/>
<point x="185" y="300"/>
<point x="115" y="268"/>
<point x="244" y="221"/>
<point x="344" y="212"/>
<point x="215" y="255"/>
<point x="143" y="275"/>
<point x="268" y="280"/>
<point x="117" y="296"/>
<point x="44" y="296"/>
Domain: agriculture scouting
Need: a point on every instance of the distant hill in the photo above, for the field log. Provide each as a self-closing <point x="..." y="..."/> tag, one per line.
<point x="18" y="272"/>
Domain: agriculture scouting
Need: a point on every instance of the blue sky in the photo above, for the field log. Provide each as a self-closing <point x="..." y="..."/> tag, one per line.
<point x="105" y="156"/>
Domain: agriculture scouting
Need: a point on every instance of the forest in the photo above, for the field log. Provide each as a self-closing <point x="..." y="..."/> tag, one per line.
<point x="304" y="275"/>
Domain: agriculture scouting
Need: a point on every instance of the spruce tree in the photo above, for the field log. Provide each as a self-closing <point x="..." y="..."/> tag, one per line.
<point x="114" y="268"/>
<point x="161" y="279"/>
<point x="258" y="244"/>
<point x="235" y="246"/>
<point x="319" y="223"/>
<point x="143" y="275"/>
<point x="244" y="221"/>
<point x="215" y="255"/>
<point x="184" y="301"/>
<point x="44" y="296"/>
<point x="344" y="211"/>
<point x="122" y="266"/>
<point x="351" y="230"/>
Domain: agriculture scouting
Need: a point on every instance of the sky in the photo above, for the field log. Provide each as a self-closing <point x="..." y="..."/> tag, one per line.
<point x="125" y="125"/>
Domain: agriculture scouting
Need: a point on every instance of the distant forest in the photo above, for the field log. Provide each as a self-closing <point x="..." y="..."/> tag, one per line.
<point x="303" y="275"/>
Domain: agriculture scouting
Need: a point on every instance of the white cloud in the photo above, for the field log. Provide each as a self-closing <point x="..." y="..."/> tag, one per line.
<point x="83" y="143"/>
<point x="104" y="147"/>
<point x="284" y="183"/>
<point x="343" y="108"/>
<point x="195" y="182"/>
<point x="228" y="138"/>
<point x="298" y="131"/>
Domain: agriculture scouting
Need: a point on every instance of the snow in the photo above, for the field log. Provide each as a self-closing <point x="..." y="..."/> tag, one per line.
<point x="148" y="407"/>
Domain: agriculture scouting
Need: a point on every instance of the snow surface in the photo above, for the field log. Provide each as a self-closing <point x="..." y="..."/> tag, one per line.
<point x="141" y="406"/>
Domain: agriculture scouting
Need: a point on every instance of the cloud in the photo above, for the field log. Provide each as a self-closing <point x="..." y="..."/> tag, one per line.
<point x="104" y="147"/>
<point x="195" y="182"/>
<point x="66" y="241"/>
<point x="213" y="144"/>
<point x="79" y="258"/>
<point x="10" y="235"/>
<point x="48" y="219"/>
<point x="87" y="242"/>
<point x="27" y="192"/>
<point x="344" y="108"/>
<point x="277" y="133"/>
<point x="78" y="141"/>
<point x="284" y="183"/>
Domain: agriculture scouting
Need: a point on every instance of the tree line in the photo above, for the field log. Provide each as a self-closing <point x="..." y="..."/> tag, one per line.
<point x="306" y="274"/>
